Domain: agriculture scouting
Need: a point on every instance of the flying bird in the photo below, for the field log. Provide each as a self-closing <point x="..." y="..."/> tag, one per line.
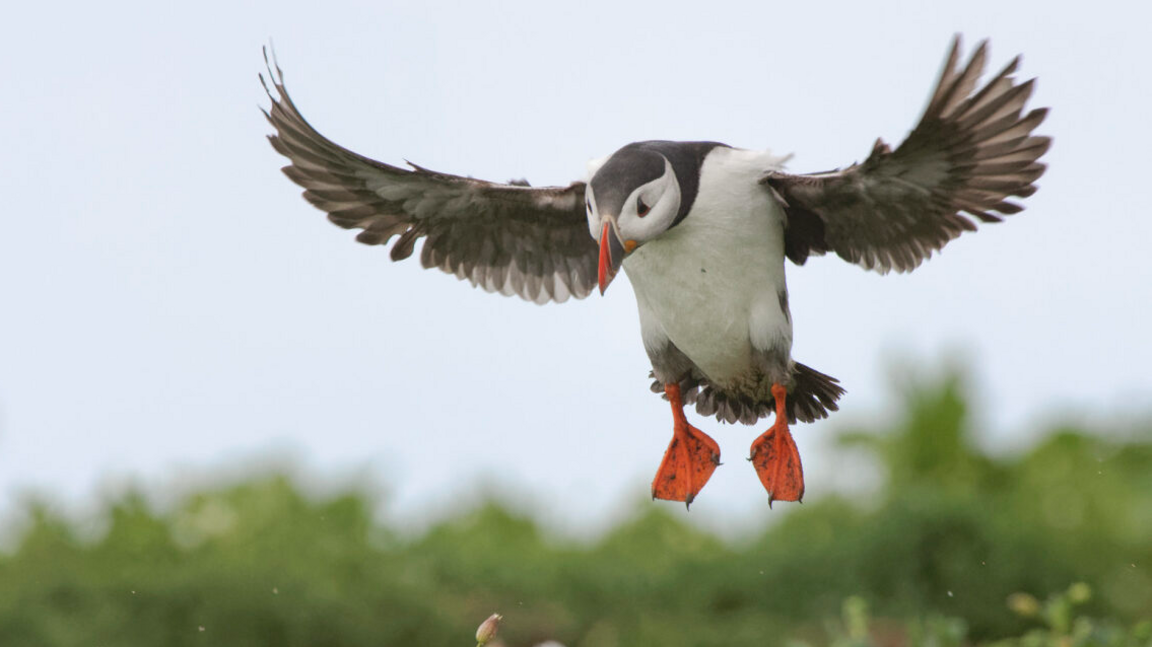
<point x="702" y="230"/>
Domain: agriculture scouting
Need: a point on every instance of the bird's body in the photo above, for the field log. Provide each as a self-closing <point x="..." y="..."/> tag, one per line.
<point x="703" y="231"/>
<point x="725" y="260"/>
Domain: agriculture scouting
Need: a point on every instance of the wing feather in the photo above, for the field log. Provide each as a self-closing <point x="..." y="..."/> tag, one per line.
<point x="970" y="152"/>
<point x="506" y="238"/>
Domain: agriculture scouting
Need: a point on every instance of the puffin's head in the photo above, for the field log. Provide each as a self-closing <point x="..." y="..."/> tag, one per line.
<point x="631" y="199"/>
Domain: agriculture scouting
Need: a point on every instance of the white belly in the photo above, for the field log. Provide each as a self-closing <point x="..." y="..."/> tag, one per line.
<point x="711" y="284"/>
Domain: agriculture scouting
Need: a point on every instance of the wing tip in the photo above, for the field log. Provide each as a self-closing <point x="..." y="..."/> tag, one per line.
<point x="971" y="151"/>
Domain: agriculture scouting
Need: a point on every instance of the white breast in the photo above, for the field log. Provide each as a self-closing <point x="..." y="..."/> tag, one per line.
<point x="711" y="285"/>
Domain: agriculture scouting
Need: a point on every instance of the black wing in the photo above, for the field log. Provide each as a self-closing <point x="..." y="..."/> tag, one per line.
<point x="506" y="238"/>
<point x="971" y="151"/>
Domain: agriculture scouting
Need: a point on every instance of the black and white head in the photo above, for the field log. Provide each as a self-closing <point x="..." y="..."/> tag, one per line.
<point x="639" y="193"/>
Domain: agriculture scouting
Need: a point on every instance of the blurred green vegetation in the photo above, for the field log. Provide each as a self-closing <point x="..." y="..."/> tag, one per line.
<point x="957" y="547"/>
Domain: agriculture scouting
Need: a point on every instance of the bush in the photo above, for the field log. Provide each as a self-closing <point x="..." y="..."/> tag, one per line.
<point x="953" y="534"/>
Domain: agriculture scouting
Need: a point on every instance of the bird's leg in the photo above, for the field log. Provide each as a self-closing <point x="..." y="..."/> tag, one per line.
<point x="775" y="457"/>
<point x="690" y="459"/>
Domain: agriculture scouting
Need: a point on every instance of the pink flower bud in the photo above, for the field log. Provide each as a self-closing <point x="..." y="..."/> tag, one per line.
<point x="488" y="628"/>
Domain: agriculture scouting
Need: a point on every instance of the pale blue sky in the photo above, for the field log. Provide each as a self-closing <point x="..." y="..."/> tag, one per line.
<point x="170" y="303"/>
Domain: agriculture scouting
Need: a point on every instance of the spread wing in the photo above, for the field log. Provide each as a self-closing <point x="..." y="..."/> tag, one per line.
<point x="507" y="238"/>
<point x="971" y="151"/>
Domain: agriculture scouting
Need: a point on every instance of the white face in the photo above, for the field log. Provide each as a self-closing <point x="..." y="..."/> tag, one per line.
<point x="648" y="212"/>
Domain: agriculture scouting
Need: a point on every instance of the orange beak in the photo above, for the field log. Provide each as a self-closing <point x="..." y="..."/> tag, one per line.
<point x="612" y="253"/>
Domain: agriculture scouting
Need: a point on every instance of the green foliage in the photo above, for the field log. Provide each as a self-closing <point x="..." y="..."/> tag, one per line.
<point x="949" y="552"/>
<point x="1060" y="626"/>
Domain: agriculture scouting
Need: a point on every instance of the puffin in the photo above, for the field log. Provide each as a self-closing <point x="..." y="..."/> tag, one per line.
<point x="704" y="232"/>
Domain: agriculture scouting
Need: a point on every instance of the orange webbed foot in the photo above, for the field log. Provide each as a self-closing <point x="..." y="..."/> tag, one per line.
<point x="776" y="458"/>
<point x="688" y="462"/>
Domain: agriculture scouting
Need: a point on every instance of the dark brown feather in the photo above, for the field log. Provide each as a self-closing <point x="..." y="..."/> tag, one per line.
<point x="970" y="151"/>
<point x="812" y="395"/>
<point x="508" y="238"/>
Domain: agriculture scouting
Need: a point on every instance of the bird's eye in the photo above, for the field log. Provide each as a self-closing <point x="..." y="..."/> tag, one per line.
<point x="588" y="203"/>
<point x="641" y="208"/>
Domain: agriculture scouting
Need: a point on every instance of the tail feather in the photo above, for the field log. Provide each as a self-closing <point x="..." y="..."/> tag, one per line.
<point x="812" y="394"/>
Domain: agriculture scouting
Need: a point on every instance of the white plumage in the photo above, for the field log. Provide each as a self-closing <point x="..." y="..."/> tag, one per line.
<point x="710" y="285"/>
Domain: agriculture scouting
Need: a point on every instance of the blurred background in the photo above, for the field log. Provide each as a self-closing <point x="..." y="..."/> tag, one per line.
<point x="224" y="422"/>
